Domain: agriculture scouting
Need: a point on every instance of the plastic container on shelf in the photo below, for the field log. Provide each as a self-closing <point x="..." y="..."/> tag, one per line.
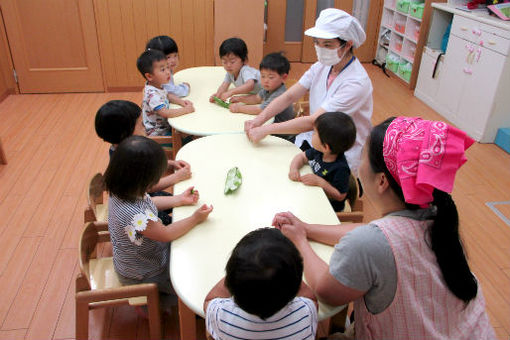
<point x="402" y="6"/>
<point x="416" y="10"/>
<point x="412" y="27"/>
<point x="404" y="70"/>
<point x="400" y="25"/>
<point x="392" y="62"/>
<point x="398" y="46"/>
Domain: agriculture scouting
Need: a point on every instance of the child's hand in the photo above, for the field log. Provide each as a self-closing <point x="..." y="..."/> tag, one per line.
<point x="255" y="135"/>
<point x="311" y="179"/>
<point x="294" y="175"/>
<point x="189" y="196"/>
<point x="187" y="102"/>
<point x="224" y="96"/>
<point x="200" y="215"/>
<point x="234" y="108"/>
<point x="180" y="164"/>
<point x="183" y="173"/>
<point x="235" y="99"/>
<point x="188" y="108"/>
<point x="211" y="99"/>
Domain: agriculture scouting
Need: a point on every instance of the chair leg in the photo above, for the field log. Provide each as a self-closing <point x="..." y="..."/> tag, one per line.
<point x="82" y="320"/>
<point x="3" y="158"/>
<point x="154" y="314"/>
<point x="176" y="141"/>
<point x="187" y="322"/>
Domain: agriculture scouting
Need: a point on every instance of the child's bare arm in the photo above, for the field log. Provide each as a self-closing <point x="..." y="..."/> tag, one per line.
<point x="329" y="190"/>
<point x="249" y="99"/>
<point x="223" y="87"/>
<point x="297" y="163"/>
<point x="159" y="232"/>
<point x="169" y="180"/>
<point x="248" y="109"/>
<point x="177" y="100"/>
<point x="188" y="197"/>
<point x="245" y="88"/>
<point x="172" y="113"/>
<point x="218" y="291"/>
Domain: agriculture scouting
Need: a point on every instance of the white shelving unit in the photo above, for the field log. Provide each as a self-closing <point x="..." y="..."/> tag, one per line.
<point x="404" y="36"/>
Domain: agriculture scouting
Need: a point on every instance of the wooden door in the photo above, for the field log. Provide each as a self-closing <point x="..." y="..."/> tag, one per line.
<point x="53" y="45"/>
<point x="303" y="51"/>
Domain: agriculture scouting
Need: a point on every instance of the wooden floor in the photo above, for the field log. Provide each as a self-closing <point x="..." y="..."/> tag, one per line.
<point x="53" y="151"/>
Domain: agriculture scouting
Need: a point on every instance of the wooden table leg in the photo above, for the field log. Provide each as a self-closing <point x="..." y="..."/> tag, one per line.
<point x="187" y="322"/>
<point x="3" y="158"/>
<point x="176" y="141"/>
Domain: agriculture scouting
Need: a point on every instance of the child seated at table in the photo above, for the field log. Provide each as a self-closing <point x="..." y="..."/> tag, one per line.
<point x="117" y="120"/>
<point x="141" y="243"/>
<point x="274" y="69"/>
<point x="153" y="66"/>
<point x="168" y="46"/>
<point x="262" y="292"/>
<point x="246" y="79"/>
<point x="333" y="134"/>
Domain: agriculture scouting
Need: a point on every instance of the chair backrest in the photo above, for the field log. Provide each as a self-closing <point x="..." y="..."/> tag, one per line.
<point x="87" y="249"/>
<point x="95" y="193"/>
<point x="355" y="213"/>
<point x="164" y="140"/>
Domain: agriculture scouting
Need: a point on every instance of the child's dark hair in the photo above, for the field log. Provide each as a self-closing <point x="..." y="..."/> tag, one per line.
<point x="275" y="62"/>
<point x="443" y="234"/>
<point x="116" y="120"/>
<point x="337" y="130"/>
<point x="264" y="272"/>
<point x="162" y="43"/>
<point x="235" y="46"/>
<point x="147" y="59"/>
<point x="137" y="164"/>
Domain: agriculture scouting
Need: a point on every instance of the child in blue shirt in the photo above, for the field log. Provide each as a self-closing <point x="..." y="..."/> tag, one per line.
<point x="334" y="133"/>
<point x="169" y="47"/>
<point x="246" y="79"/>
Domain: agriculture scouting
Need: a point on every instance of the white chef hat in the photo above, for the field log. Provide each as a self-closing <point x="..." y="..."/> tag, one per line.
<point x="335" y="23"/>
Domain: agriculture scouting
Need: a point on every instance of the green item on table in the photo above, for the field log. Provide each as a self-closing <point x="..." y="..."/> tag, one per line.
<point x="221" y="102"/>
<point x="233" y="181"/>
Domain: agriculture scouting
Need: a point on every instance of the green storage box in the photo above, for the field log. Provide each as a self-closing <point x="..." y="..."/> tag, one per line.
<point x="391" y="63"/>
<point x="416" y="10"/>
<point x="403" y="6"/>
<point x="404" y="71"/>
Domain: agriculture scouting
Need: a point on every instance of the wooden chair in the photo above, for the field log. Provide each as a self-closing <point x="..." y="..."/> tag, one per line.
<point x="170" y="151"/>
<point x="97" y="210"/>
<point x="302" y="106"/>
<point x="353" y="211"/>
<point x="3" y="158"/>
<point x="97" y="285"/>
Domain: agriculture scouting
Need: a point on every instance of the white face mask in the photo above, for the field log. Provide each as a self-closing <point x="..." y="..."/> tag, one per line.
<point x="327" y="56"/>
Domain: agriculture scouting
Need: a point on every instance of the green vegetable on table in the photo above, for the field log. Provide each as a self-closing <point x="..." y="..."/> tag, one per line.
<point x="221" y="102"/>
<point x="233" y="181"/>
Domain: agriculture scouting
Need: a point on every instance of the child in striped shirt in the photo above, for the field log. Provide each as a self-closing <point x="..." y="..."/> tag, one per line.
<point x="262" y="295"/>
<point x="141" y="243"/>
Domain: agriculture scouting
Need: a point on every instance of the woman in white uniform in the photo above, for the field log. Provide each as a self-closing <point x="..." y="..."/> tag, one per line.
<point x="337" y="82"/>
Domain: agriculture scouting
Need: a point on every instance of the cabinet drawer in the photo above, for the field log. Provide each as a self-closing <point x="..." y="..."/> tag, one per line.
<point x="481" y="34"/>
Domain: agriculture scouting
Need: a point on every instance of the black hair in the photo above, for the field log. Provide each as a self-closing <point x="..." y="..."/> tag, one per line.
<point x="137" y="164"/>
<point x="162" y="43"/>
<point x="443" y="234"/>
<point x="275" y="62"/>
<point x="337" y="130"/>
<point x="116" y="120"/>
<point x="145" y="61"/>
<point x="343" y="42"/>
<point x="264" y="272"/>
<point x="235" y="46"/>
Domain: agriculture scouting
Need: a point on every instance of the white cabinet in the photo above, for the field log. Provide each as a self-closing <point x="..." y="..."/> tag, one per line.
<point x="473" y="86"/>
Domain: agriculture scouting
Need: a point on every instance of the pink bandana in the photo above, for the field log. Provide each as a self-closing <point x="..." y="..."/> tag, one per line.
<point x="422" y="155"/>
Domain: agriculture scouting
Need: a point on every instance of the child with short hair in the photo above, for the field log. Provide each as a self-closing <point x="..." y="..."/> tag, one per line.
<point x="246" y="79"/>
<point x="274" y="69"/>
<point x="141" y="243"/>
<point x="263" y="292"/>
<point x="117" y="120"/>
<point x="334" y="133"/>
<point x="153" y="66"/>
<point x="169" y="47"/>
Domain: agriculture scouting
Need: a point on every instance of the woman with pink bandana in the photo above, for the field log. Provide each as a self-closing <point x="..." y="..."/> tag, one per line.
<point x="406" y="272"/>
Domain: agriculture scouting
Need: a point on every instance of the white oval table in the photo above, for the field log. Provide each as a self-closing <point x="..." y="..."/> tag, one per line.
<point x="198" y="258"/>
